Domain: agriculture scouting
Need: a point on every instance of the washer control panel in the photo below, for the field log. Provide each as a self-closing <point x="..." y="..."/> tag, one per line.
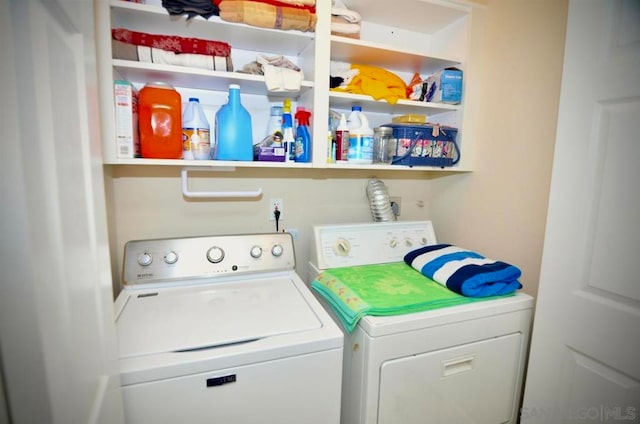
<point x="161" y="260"/>
<point x="369" y="243"/>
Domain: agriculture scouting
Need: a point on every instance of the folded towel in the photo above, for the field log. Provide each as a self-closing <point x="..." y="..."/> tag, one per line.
<point x="127" y="51"/>
<point x="267" y="16"/>
<point x="344" y="28"/>
<point x="382" y="290"/>
<point x="465" y="272"/>
<point x="309" y="5"/>
<point x="349" y="15"/>
<point x="281" y="79"/>
<point x="172" y="43"/>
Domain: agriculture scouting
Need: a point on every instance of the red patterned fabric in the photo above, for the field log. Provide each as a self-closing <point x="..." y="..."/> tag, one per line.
<point x="172" y="43"/>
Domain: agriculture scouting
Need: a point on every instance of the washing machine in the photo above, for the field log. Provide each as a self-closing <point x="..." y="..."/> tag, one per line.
<point x="453" y="365"/>
<point x="222" y="329"/>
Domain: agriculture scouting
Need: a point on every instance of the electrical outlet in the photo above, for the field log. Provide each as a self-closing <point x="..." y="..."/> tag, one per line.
<point x="395" y="204"/>
<point x="273" y="204"/>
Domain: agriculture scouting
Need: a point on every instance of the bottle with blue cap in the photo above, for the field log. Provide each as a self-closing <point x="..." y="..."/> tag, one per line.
<point x="195" y="132"/>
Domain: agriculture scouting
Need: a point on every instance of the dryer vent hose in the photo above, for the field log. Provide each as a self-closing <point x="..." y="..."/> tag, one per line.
<point x="379" y="202"/>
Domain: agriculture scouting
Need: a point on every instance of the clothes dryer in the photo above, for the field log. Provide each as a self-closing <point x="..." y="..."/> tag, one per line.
<point x="457" y="364"/>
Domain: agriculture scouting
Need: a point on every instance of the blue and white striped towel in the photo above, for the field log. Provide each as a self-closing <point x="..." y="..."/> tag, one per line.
<point x="465" y="272"/>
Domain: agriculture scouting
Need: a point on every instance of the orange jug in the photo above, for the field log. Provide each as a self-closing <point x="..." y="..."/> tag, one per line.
<point x="160" y="121"/>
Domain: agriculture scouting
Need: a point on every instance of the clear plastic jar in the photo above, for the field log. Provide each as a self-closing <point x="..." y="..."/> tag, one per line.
<point x="384" y="145"/>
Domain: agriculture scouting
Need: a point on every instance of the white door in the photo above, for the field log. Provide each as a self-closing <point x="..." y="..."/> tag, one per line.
<point x="57" y="332"/>
<point x="585" y="355"/>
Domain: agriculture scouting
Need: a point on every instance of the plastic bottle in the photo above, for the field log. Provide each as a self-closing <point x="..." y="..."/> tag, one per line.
<point x="234" y="135"/>
<point x="353" y="120"/>
<point x="331" y="158"/>
<point x="361" y="142"/>
<point x="288" y="138"/>
<point x="195" y="132"/>
<point x="342" y="139"/>
<point x="275" y="121"/>
<point x="303" y="138"/>
<point x="160" y="116"/>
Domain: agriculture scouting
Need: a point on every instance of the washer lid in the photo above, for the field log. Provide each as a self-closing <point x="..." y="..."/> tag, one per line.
<point x="213" y="315"/>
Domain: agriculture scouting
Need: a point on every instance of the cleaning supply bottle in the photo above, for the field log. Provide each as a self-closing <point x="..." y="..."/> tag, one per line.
<point x="288" y="138"/>
<point x="286" y="106"/>
<point x="342" y="139"/>
<point x="274" y="126"/>
<point x="331" y="158"/>
<point x="234" y="135"/>
<point x="361" y="142"/>
<point x="159" y="117"/>
<point x="195" y="132"/>
<point x="353" y="120"/>
<point x="303" y="138"/>
<point x="288" y="134"/>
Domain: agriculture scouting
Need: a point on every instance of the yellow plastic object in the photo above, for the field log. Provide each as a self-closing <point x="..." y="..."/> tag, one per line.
<point x="409" y="119"/>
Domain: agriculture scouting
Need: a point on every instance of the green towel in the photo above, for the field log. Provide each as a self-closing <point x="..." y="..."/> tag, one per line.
<point x="382" y="290"/>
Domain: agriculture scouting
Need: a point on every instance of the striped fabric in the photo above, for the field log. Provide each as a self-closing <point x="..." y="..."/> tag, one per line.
<point x="465" y="272"/>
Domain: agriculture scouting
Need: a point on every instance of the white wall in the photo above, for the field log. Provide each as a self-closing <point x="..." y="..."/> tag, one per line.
<point x="147" y="202"/>
<point x="499" y="209"/>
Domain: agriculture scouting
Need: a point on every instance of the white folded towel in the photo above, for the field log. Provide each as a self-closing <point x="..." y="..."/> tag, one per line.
<point x="201" y="61"/>
<point x="281" y="79"/>
<point x="349" y="15"/>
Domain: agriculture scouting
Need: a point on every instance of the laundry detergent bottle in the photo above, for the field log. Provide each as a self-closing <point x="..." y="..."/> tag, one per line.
<point x="234" y="135"/>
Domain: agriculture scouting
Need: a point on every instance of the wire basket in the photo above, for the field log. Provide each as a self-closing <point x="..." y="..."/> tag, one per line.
<point x="425" y="145"/>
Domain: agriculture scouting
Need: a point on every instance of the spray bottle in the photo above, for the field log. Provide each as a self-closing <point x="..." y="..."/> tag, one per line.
<point x="288" y="137"/>
<point x="303" y="138"/>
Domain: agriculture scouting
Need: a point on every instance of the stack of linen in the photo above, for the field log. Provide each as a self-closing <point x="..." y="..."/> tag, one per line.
<point x="171" y="50"/>
<point x="297" y="15"/>
<point x="344" y="22"/>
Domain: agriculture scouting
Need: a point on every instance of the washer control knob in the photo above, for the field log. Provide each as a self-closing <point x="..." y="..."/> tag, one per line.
<point x="341" y="247"/>
<point x="171" y="257"/>
<point x="256" y="252"/>
<point x="393" y="243"/>
<point x="408" y="242"/>
<point x="277" y="250"/>
<point x="145" y="259"/>
<point x="423" y="241"/>
<point x="215" y="255"/>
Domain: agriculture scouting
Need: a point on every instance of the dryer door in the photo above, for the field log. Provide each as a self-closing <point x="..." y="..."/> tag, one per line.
<point x="472" y="383"/>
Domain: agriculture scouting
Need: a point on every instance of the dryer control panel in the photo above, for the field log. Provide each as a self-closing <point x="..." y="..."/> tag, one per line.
<point x="186" y="258"/>
<point x="344" y="245"/>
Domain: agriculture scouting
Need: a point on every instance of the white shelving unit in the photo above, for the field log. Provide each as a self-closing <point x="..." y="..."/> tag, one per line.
<point x="422" y="36"/>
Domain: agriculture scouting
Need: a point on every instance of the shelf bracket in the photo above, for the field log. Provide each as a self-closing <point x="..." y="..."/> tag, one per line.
<point x="213" y="194"/>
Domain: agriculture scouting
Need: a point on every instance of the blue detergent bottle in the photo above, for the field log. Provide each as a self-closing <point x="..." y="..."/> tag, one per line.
<point x="234" y="135"/>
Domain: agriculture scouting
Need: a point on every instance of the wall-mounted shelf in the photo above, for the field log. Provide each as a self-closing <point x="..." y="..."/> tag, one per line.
<point x="202" y="79"/>
<point x="416" y="36"/>
<point x="155" y="20"/>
